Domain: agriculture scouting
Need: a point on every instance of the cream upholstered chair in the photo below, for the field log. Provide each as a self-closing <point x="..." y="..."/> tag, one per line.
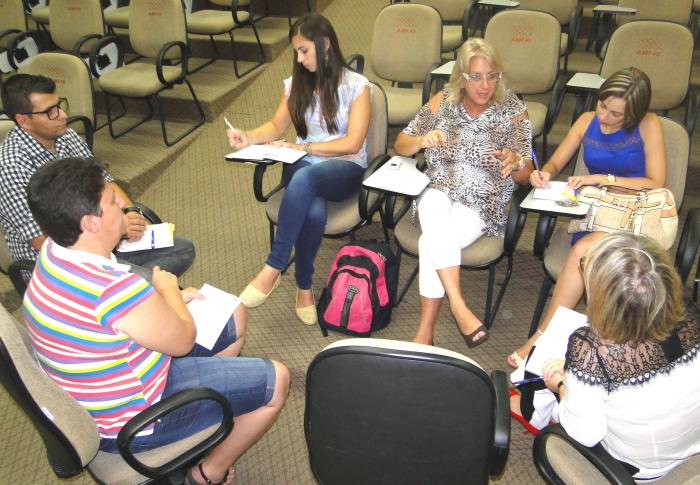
<point x="117" y="18"/>
<point x="664" y="51"/>
<point x="69" y="432"/>
<point x="12" y="22"/>
<point x="38" y="10"/>
<point x="406" y="46"/>
<point x="76" y="24"/>
<point x="568" y="13"/>
<point x="405" y="413"/>
<point x="355" y="212"/>
<point x="157" y="31"/>
<point x="552" y="245"/>
<point x="561" y="460"/>
<point x="456" y="16"/>
<point x="73" y="82"/>
<point x="535" y="36"/>
<point x="217" y="22"/>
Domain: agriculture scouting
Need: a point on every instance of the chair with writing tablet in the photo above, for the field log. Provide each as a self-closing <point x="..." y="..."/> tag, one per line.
<point x="351" y="214"/>
<point x="535" y="36"/>
<point x="552" y="244"/>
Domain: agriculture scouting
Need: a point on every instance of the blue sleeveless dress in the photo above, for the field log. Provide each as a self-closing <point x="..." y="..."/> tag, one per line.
<point x="620" y="153"/>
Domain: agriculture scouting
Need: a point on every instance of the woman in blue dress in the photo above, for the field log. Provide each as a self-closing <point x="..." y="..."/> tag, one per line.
<point x="623" y="145"/>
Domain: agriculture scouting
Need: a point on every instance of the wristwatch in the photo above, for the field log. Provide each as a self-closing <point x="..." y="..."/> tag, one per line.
<point x="610" y="178"/>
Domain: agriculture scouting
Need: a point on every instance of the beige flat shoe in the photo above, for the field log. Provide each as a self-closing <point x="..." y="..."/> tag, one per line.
<point x="307" y="314"/>
<point x="251" y="297"/>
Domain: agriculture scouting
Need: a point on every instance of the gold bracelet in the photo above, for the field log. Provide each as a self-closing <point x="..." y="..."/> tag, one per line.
<point x="307" y="148"/>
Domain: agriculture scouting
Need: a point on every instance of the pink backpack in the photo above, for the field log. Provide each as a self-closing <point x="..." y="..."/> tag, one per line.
<point x="361" y="289"/>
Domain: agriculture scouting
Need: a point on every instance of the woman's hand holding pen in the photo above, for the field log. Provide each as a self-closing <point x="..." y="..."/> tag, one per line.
<point x="538" y="178"/>
<point x="432" y="139"/>
<point x="237" y="138"/>
<point x="553" y="373"/>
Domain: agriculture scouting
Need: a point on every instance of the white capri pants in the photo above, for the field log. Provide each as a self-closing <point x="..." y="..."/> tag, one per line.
<point x="448" y="227"/>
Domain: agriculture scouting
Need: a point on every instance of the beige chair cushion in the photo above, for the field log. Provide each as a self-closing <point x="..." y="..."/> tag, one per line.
<point x="403" y="104"/>
<point x="406" y="42"/>
<point x="663" y="50"/>
<point x="70" y="20"/>
<point x="41" y="15"/>
<point x="483" y="251"/>
<point x="570" y="465"/>
<point x="12" y="18"/>
<point x="523" y="34"/>
<point x="137" y="80"/>
<point x="677" y="11"/>
<point x="451" y="37"/>
<point x="210" y="22"/>
<point x="117" y="18"/>
<point x="342" y="216"/>
<point x="537" y="113"/>
<point x="377" y="130"/>
<point x="564" y="43"/>
<point x="72" y="78"/>
<point x="154" y="23"/>
<point x="557" y="251"/>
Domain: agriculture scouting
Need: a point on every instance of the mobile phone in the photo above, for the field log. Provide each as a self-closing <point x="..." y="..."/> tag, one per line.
<point x="394" y="164"/>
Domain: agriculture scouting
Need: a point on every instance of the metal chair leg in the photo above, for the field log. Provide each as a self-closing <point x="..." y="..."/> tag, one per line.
<point x="541" y="301"/>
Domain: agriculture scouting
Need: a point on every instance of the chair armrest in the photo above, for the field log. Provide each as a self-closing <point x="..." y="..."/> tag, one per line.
<point x="501" y="431"/>
<point x="83" y="40"/>
<point x="234" y="13"/>
<point x="161" y="60"/>
<point x="145" y="211"/>
<point x="574" y="26"/>
<point x="688" y="244"/>
<point x="596" y="455"/>
<point x="516" y="219"/>
<point x="15" y="272"/>
<point x="97" y="61"/>
<point x="258" y="178"/>
<point x="543" y="232"/>
<point x="88" y="127"/>
<point x="14" y="52"/>
<point x="365" y="211"/>
<point x="162" y="408"/>
<point x="555" y="101"/>
<point x="358" y="60"/>
<point x="428" y="83"/>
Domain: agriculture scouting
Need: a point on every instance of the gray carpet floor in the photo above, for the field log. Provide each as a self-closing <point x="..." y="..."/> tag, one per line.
<point x="211" y="202"/>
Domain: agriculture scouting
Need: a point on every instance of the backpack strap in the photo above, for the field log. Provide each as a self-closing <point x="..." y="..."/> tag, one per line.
<point x="349" y="296"/>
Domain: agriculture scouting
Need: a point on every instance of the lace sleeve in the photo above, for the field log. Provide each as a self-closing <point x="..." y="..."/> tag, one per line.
<point x="583" y="360"/>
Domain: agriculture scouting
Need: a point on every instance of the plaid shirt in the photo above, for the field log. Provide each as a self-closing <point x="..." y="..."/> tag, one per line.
<point x="20" y="156"/>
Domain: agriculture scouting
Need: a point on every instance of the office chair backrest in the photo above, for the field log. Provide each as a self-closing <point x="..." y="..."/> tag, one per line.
<point x="677" y="149"/>
<point x="154" y="23"/>
<point x="72" y="78"/>
<point x="384" y="411"/>
<point x="525" y="34"/>
<point x="560" y="9"/>
<point x="451" y="11"/>
<point x="70" y="20"/>
<point x="11" y="17"/>
<point x="677" y="11"/>
<point x="663" y="50"/>
<point x="378" y="122"/>
<point x="68" y="431"/>
<point x="406" y="42"/>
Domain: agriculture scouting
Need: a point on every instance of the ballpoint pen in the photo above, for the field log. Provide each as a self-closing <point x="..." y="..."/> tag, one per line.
<point x="153" y="239"/>
<point x="228" y="124"/>
<point x="527" y="381"/>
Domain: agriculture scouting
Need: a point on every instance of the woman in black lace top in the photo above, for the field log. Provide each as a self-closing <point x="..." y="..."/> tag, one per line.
<point x="630" y="380"/>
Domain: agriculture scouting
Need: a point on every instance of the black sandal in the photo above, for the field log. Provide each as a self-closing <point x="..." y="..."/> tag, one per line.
<point x="470" y="338"/>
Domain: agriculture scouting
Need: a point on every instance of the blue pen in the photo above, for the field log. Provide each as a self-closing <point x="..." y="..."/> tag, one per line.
<point x="527" y="381"/>
<point x="153" y="239"/>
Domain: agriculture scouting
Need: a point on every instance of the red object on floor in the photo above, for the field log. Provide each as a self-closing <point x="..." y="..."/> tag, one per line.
<point x="526" y="424"/>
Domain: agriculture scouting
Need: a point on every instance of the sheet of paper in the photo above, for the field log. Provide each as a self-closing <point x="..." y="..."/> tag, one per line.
<point x="552" y="345"/>
<point x="445" y="69"/>
<point x="267" y="152"/>
<point x="154" y="237"/>
<point x="554" y="190"/>
<point x="211" y="314"/>
<point x="585" y="80"/>
<point x="405" y="179"/>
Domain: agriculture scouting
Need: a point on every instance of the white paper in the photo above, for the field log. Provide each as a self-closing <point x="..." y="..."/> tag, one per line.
<point x="552" y="344"/>
<point x="267" y="152"/>
<point x="554" y="190"/>
<point x="211" y="314"/>
<point x="445" y="69"/>
<point x="155" y="236"/>
<point x="585" y="80"/>
<point x="405" y="179"/>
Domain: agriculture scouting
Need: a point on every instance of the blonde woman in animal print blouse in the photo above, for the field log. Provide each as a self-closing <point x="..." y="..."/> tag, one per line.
<point x="477" y="140"/>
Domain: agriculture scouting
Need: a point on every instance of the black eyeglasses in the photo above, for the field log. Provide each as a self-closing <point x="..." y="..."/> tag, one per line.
<point x="52" y="111"/>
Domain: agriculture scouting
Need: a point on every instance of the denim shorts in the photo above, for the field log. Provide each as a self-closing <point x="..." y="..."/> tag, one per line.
<point x="246" y="383"/>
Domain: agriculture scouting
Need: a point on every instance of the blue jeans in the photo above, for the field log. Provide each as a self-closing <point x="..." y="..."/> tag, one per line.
<point x="176" y="259"/>
<point x="246" y="383"/>
<point x="302" y="215"/>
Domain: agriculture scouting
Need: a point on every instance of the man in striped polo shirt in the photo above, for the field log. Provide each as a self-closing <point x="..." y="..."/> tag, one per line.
<point x="118" y="344"/>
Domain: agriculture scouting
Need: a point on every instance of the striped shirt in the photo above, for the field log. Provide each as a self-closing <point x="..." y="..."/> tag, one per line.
<point x="72" y="307"/>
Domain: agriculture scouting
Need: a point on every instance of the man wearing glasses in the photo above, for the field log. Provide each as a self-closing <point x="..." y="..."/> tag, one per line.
<point x="41" y="135"/>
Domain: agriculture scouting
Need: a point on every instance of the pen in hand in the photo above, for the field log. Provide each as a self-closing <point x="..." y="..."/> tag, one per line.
<point x="228" y="124"/>
<point x="527" y="381"/>
<point x="153" y="239"/>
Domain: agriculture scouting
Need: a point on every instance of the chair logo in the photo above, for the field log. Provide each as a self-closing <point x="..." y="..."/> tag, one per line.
<point x="522" y="34"/>
<point x="155" y="9"/>
<point x="406" y="26"/>
<point x="649" y="47"/>
<point x="74" y="5"/>
<point x="56" y="74"/>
